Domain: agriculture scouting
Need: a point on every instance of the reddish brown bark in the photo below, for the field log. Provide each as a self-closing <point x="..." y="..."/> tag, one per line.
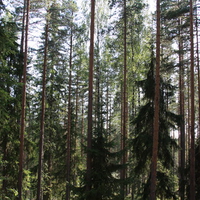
<point x="69" y="121"/>
<point x="23" y="113"/>
<point x="192" y="133"/>
<point x="124" y="107"/>
<point x="41" y="151"/>
<point x="198" y="71"/>
<point x="182" y="125"/>
<point x="90" y="103"/>
<point x="156" y="111"/>
<point x="22" y="40"/>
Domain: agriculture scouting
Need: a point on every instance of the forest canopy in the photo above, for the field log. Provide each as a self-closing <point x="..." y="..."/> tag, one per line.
<point x="99" y="100"/>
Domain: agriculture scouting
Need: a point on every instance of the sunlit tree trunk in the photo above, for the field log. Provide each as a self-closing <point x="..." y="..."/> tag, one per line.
<point x="182" y="125"/>
<point x="188" y="115"/>
<point x="69" y="124"/>
<point x="23" y="113"/>
<point x="90" y="97"/>
<point x="41" y="150"/>
<point x="82" y="124"/>
<point x="156" y="111"/>
<point x="22" y="38"/>
<point x="198" y="71"/>
<point x="124" y="107"/>
<point x="192" y="132"/>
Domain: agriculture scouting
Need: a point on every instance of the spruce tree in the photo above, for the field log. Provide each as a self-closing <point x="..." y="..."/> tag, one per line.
<point x="10" y="90"/>
<point x="142" y="136"/>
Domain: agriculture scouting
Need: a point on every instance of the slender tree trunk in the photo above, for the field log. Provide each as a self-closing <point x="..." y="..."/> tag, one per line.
<point x="182" y="126"/>
<point x="48" y="193"/>
<point x="192" y="133"/>
<point x="188" y="115"/>
<point x="41" y="152"/>
<point x="98" y="75"/>
<point x="23" y="23"/>
<point x="82" y="124"/>
<point x="23" y="113"/>
<point x="198" y="71"/>
<point x="156" y="111"/>
<point x="22" y="40"/>
<point x="4" y="170"/>
<point x="124" y="109"/>
<point x="76" y="132"/>
<point x="107" y="107"/>
<point x="69" y="121"/>
<point x="90" y="97"/>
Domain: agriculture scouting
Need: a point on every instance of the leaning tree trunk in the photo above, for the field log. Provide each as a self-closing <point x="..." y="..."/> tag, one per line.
<point x="156" y="111"/>
<point x="23" y="112"/>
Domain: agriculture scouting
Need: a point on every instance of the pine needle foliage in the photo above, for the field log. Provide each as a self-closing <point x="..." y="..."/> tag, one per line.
<point x="105" y="175"/>
<point x="9" y="107"/>
<point x="142" y="139"/>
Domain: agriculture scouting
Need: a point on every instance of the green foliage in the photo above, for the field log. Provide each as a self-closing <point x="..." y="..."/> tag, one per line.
<point x="175" y="11"/>
<point x="9" y="108"/>
<point x="64" y="21"/>
<point x="105" y="182"/>
<point x="143" y="130"/>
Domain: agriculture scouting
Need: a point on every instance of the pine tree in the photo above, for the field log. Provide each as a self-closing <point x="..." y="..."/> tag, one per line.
<point x="69" y="120"/>
<point x="23" y="114"/>
<point x="192" y="133"/>
<point x="175" y="18"/>
<point x="42" y="126"/>
<point x="125" y="104"/>
<point x="55" y="140"/>
<point x="90" y="98"/>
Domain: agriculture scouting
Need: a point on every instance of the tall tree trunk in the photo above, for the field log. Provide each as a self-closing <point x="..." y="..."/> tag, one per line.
<point x="198" y="71"/>
<point x="90" y="97"/>
<point x="107" y="106"/>
<point x="182" y="126"/>
<point x="22" y="40"/>
<point x="124" y="108"/>
<point x="47" y="195"/>
<point x="97" y="89"/>
<point x="23" y="112"/>
<point x="156" y="111"/>
<point x="188" y="115"/>
<point x="82" y="124"/>
<point x="4" y="170"/>
<point x="192" y="134"/>
<point x="41" y="150"/>
<point x="69" y="124"/>
<point x="76" y="131"/>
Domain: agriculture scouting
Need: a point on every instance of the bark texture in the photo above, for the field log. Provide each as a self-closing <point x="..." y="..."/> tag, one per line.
<point x="156" y="111"/>
<point x="23" y="113"/>
<point x="90" y="103"/>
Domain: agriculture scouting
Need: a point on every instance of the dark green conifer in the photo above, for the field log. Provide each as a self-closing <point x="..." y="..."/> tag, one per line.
<point x="142" y="137"/>
<point x="9" y="107"/>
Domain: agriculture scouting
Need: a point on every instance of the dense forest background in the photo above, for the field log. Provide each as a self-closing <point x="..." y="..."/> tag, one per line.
<point x="99" y="100"/>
